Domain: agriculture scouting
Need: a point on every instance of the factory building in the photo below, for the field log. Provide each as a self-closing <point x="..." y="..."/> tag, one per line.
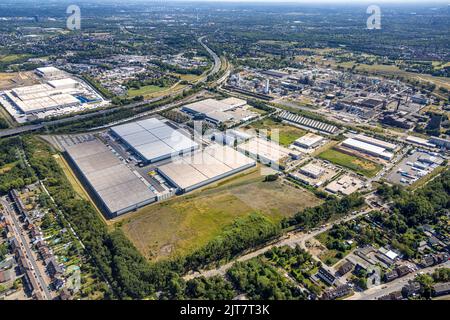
<point x="231" y="137"/>
<point x="153" y="140"/>
<point x="266" y="151"/>
<point x="49" y="72"/>
<point x="309" y="123"/>
<point x="368" y="148"/>
<point x="116" y="188"/>
<point x="309" y="141"/>
<point x="312" y="170"/>
<point x="199" y="169"/>
<point x="44" y="97"/>
<point x="379" y="143"/>
<point x="440" y="142"/>
<point x="220" y="111"/>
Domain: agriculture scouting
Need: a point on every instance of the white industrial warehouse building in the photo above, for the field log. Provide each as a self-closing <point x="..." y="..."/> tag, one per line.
<point x="202" y="168"/>
<point x="368" y="148"/>
<point x="266" y="151"/>
<point x="309" y="140"/>
<point x="220" y="111"/>
<point x="115" y="186"/>
<point x="153" y="140"/>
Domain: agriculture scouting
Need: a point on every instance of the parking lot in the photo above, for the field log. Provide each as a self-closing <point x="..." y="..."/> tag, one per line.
<point x="412" y="167"/>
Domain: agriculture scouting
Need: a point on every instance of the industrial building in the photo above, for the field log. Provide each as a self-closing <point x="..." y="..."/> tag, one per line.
<point x="40" y="98"/>
<point x="231" y="137"/>
<point x="202" y="168"/>
<point x="346" y="185"/>
<point x="315" y="173"/>
<point x="220" y="111"/>
<point x="266" y="151"/>
<point x="153" y="140"/>
<point x="309" y="141"/>
<point x="312" y="170"/>
<point x="367" y="148"/>
<point x="49" y="72"/>
<point x="51" y="96"/>
<point x="117" y="188"/>
<point x="309" y="123"/>
<point x="379" y="143"/>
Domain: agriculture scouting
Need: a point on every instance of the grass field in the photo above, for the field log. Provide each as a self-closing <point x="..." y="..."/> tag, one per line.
<point x="331" y="257"/>
<point x="288" y="134"/>
<point x="144" y="91"/>
<point x="182" y="224"/>
<point x="188" y="77"/>
<point x="13" y="57"/>
<point x="359" y="165"/>
<point x="7" y="167"/>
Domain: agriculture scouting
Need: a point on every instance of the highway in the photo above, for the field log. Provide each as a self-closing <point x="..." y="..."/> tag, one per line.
<point x="34" y="127"/>
<point x="25" y="246"/>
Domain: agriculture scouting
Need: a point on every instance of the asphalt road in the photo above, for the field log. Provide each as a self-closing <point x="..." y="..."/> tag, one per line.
<point x="35" y="127"/>
<point x="396" y="285"/>
<point x="29" y="256"/>
<point x="290" y="239"/>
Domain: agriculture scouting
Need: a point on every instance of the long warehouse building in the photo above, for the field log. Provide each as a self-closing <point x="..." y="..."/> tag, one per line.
<point x="368" y="148"/>
<point x="114" y="185"/>
<point x="153" y="140"/>
<point x="202" y="168"/>
<point x="309" y="123"/>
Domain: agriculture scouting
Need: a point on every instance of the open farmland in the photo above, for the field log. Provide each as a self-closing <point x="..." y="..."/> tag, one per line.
<point x="180" y="225"/>
<point x="288" y="134"/>
<point x="358" y="165"/>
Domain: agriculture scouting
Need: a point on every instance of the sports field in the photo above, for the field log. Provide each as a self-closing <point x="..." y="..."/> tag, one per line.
<point x="287" y="134"/>
<point x="182" y="224"/>
<point x="358" y="165"/>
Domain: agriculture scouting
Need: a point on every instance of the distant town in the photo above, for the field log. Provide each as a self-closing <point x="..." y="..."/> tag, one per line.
<point x="190" y="158"/>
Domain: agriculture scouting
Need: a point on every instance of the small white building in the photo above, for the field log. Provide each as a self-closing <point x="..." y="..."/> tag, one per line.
<point x="309" y="141"/>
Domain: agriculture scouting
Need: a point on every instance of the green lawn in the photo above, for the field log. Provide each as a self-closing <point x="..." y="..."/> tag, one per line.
<point x="13" y="57"/>
<point x="356" y="164"/>
<point x="183" y="224"/>
<point x="143" y="91"/>
<point x="330" y="257"/>
<point x="287" y="134"/>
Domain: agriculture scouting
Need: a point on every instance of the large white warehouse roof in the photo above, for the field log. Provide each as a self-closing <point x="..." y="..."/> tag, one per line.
<point x="368" y="148"/>
<point x="154" y="140"/>
<point x="201" y="168"/>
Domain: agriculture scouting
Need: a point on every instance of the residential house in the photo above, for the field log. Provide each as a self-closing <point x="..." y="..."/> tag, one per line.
<point x="326" y="276"/>
<point x="411" y="289"/>
<point x="441" y="289"/>
<point x="53" y="268"/>
<point x="345" y="268"/>
<point x="390" y="276"/>
<point x="340" y="291"/>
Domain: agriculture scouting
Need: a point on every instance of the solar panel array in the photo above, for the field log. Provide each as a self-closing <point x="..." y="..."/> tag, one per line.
<point x="154" y="140"/>
<point x="307" y="122"/>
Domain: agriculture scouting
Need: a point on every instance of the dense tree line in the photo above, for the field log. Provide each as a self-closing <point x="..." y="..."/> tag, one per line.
<point x="261" y="281"/>
<point x="244" y="233"/>
<point x="13" y="171"/>
<point x="3" y="124"/>
<point x="312" y="217"/>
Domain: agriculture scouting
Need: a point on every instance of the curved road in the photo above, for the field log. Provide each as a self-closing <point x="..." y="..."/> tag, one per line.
<point x="35" y="127"/>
